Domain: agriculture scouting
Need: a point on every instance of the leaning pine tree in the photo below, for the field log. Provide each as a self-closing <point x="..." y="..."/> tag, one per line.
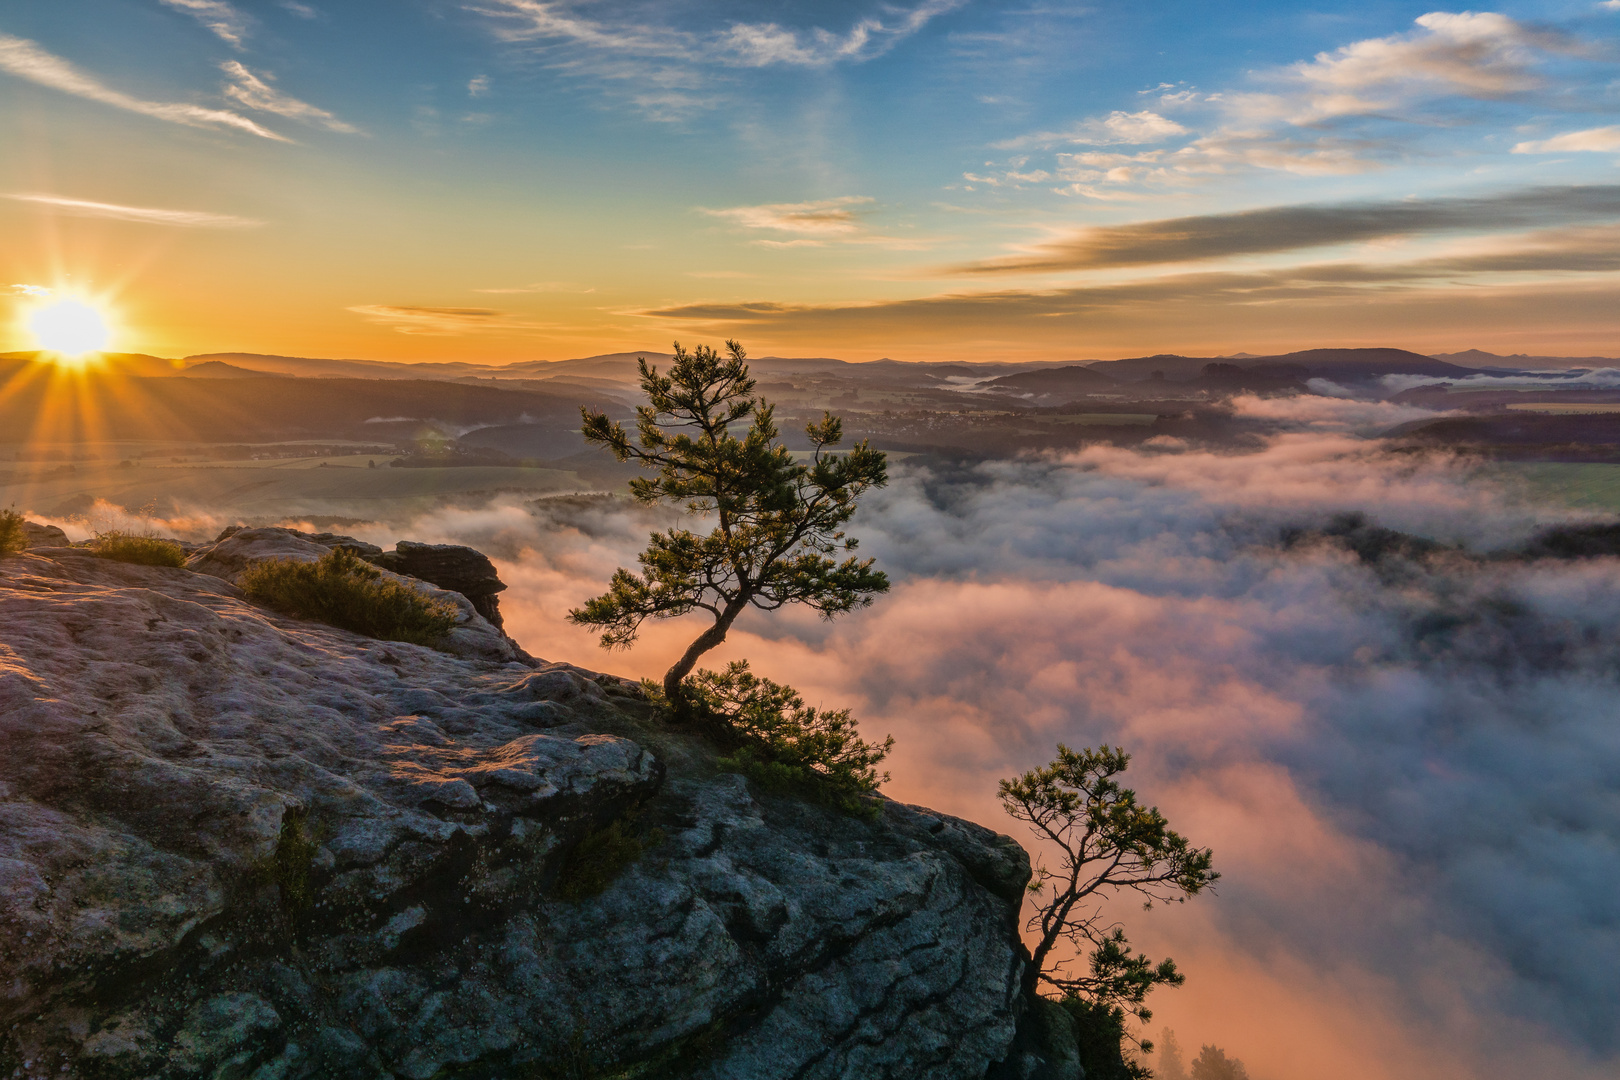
<point x="1106" y="843"/>
<point x="778" y="521"/>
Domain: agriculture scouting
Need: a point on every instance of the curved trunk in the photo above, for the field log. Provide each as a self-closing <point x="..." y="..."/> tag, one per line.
<point x="714" y="635"/>
<point x="1032" y="974"/>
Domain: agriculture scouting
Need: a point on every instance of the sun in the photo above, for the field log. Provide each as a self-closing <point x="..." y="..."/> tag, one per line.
<point x="71" y="327"/>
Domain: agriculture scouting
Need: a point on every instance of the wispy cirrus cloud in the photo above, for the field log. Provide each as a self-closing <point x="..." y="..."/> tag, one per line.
<point x="444" y="321"/>
<point x="1117" y="128"/>
<point x="1596" y="140"/>
<point x="225" y="21"/>
<point x="1291" y="228"/>
<point x="741" y="44"/>
<point x="255" y="92"/>
<point x="669" y="71"/>
<point x="1482" y="278"/>
<point x="823" y="217"/>
<point x="814" y="224"/>
<point x="26" y="60"/>
<point x="145" y="215"/>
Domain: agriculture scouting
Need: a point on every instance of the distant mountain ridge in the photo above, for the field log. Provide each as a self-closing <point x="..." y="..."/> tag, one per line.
<point x="1479" y="358"/>
<point x="1332" y="364"/>
<point x="620" y="367"/>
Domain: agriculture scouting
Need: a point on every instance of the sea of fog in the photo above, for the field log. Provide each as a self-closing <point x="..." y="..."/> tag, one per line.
<point x="1410" y="775"/>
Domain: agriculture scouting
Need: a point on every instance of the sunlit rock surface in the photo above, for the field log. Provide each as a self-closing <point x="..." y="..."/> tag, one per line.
<point x="238" y="845"/>
<point x="473" y="636"/>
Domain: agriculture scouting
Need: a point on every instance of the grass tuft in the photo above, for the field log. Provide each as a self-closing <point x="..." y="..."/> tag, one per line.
<point x="141" y="550"/>
<point x="345" y="591"/>
<point x="12" y="537"/>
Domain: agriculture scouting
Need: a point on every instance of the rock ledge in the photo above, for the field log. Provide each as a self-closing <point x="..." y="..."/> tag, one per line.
<point x="238" y="845"/>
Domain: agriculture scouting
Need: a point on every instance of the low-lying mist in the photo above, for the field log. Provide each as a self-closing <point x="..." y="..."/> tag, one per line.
<point x="1409" y="769"/>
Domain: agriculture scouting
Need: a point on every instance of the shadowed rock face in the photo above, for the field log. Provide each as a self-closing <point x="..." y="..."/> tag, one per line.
<point x="449" y="566"/>
<point x="238" y="845"/>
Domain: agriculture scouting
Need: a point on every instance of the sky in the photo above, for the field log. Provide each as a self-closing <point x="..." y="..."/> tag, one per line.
<point x="503" y="180"/>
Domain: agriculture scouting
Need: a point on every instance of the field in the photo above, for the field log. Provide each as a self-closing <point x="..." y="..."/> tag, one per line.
<point x="343" y="486"/>
<point x="1587" y="486"/>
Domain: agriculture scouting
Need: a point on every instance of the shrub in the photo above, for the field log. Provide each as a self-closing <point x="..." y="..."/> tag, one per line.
<point x="12" y="537"/>
<point x="343" y="590"/>
<point x="142" y="550"/>
<point x="785" y="745"/>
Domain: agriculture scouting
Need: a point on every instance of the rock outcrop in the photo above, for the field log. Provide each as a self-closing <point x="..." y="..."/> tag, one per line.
<point x="237" y="548"/>
<point x="449" y="566"/>
<point x="37" y="535"/>
<point x="238" y="845"/>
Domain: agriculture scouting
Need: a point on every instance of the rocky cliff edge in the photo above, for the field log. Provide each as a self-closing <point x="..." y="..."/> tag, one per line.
<point x="234" y="844"/>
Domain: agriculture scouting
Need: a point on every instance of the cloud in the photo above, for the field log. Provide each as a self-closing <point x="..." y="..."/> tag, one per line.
<point x="444" y="321"/>
<point x="1328" y="413"/>
<point x="1354" y="303"/>
<point x="478" y="86"/>
<point x="1580" y="379"/>
<point x="192" y="219"/>
<point x="1345" y="111"/>
<point x="1599" y="140"/>
<point x="1481" y="55"/>
<point x="815" y="224"/>
<point x="1291" y="228"/>
<point x="27" y="60"/>
<point x="256" y="93"/>
<point x="225" y="21"/>
<point x="30" y="290"/>
<point x="303" y="11"/>
<point x="1116" y="128"/>
<point x="825" y="217"/>
<point x="741" y="44"/>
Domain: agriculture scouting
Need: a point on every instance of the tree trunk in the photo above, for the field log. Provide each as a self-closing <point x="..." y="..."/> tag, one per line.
<point x="674" y="692"/>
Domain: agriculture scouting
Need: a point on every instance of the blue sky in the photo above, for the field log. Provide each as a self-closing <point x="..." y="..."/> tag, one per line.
<point x="515" y="178"/>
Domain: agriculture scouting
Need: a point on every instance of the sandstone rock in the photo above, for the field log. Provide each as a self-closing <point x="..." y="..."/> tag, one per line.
<point x="238" y="845"/>
<point x="474" y="636"/>
<point x="38" y="535"/>
<point x="449" y="566"/>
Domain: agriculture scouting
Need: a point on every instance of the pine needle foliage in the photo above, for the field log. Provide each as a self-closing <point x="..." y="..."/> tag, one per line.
<point x="343" y="590"/>
<point x="1107" y="843"/>
<point x="778" y="521"/>
<point x="785" y="745"/>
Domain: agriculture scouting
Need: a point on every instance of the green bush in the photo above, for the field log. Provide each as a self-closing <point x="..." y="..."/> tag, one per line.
<point x="345" y="591"/>
<point x="785" y="745"/>
<point x="143" y="550"/>
<point x="12" y="537"/>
